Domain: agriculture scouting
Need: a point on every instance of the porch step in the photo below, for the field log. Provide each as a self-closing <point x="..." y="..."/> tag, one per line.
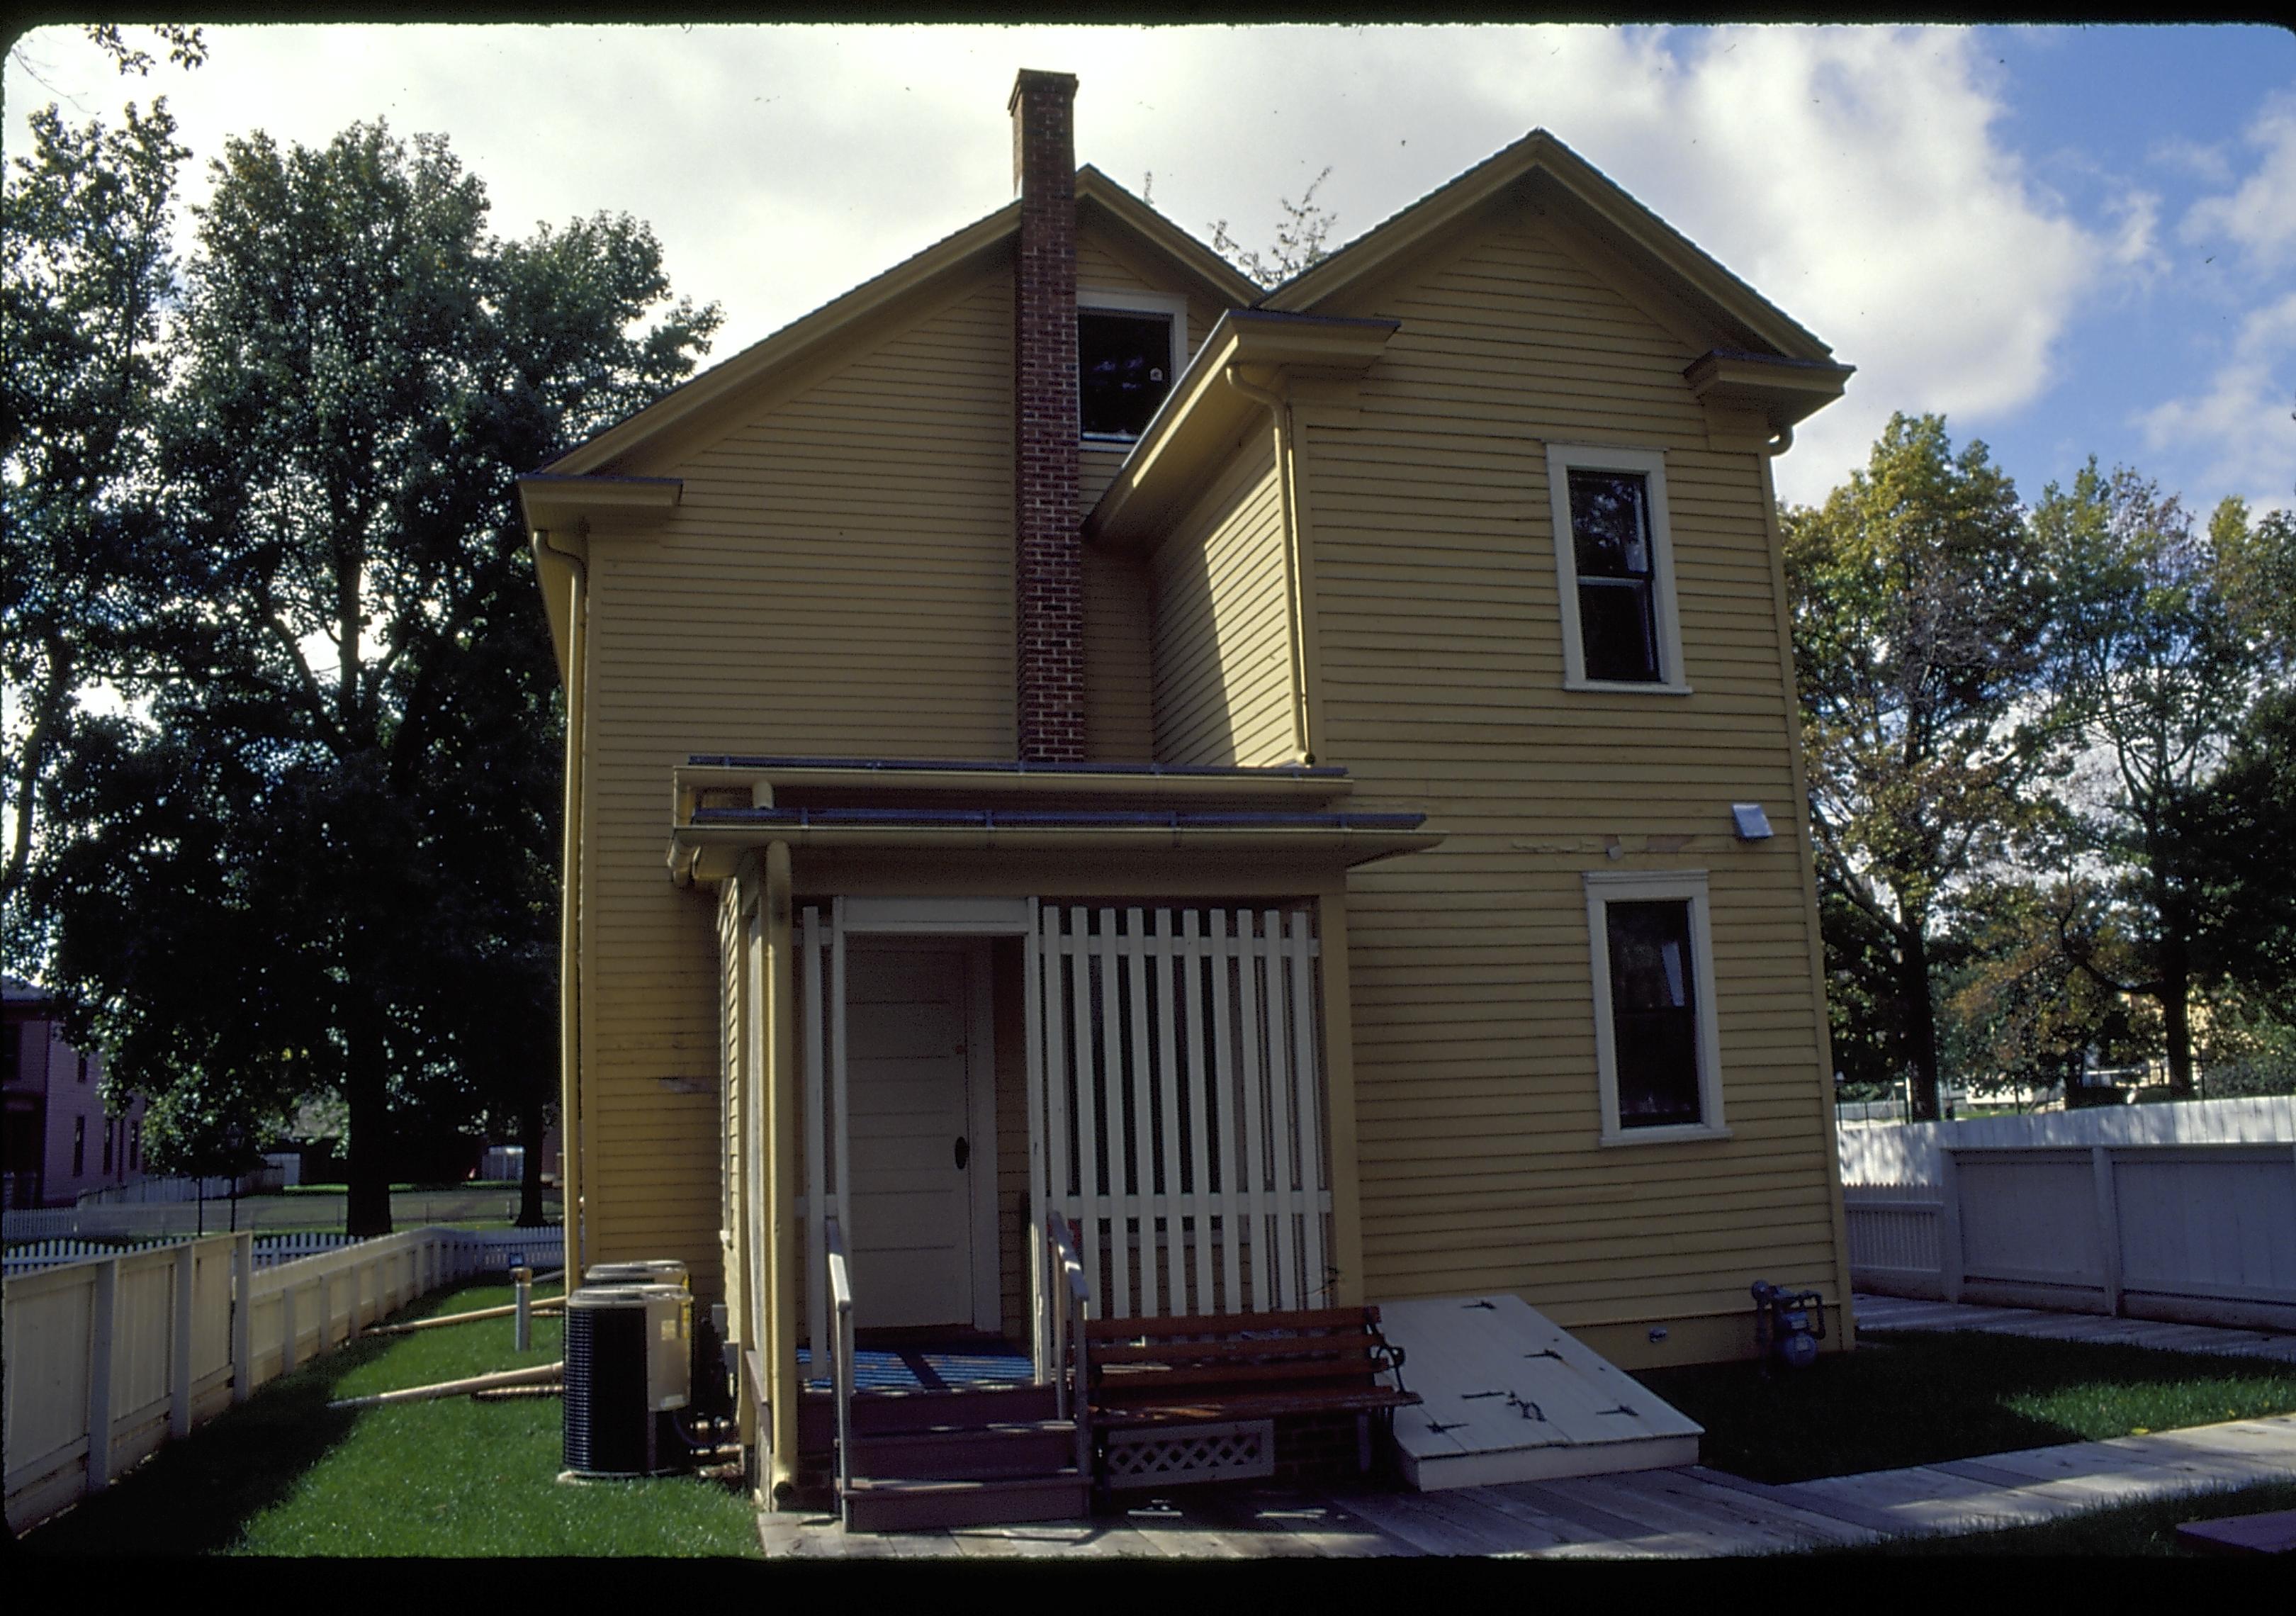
<point x="1035" y="1447"/>
<point x="887" y="1413"/>
<point x="902" y="1506"/>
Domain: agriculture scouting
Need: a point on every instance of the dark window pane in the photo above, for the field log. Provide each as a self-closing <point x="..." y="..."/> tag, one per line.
<point x="1124" y="369"/>
<point x="1617" y="630"/>
<point x="1611" y="542"/>
<point x="1653" y="1013"/>
<point x="1610" y="524"/>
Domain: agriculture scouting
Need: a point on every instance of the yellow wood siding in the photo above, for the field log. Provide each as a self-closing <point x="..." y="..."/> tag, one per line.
<point x="1223" y="630"/>
<point x="1441" y="683"/>
<point x="1119" y="715"/>
<point x="837" y="580"/>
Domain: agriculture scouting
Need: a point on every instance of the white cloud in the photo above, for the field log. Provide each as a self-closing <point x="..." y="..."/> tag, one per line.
<point x="2242" y="421"/>
<point x="2260" y="215"/>
<point x="1855" y="176"/>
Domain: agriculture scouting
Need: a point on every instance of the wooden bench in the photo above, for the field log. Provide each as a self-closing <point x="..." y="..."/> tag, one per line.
<point x="1197" y="1398"/>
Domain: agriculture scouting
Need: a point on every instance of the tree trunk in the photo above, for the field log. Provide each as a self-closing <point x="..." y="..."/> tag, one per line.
<point x="1920" y="1023"/>
<point x="2177" y="1016"/>
<point x="368" y="1204"/>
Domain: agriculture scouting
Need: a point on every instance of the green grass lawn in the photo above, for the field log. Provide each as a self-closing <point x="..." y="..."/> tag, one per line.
<point x="1917" y="1397"/>
<point x="284" y="1475"/>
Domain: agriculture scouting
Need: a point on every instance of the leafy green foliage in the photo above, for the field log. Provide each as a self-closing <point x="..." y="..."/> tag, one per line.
<point x="1913" y="592"/>
<point x="86" y="274"/>
<point x="1300" y="242"/>
<point x="2154" y="673"/>
<point x="324" y="858"/>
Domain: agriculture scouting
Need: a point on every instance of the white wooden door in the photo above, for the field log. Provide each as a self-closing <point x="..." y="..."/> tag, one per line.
<point x="911" y="1242"/>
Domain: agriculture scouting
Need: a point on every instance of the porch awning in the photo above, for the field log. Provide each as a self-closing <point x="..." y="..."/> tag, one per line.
<point x="898" y="806"/>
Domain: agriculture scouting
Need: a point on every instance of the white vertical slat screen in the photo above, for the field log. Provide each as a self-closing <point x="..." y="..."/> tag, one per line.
<point x="1181" y="1106"/>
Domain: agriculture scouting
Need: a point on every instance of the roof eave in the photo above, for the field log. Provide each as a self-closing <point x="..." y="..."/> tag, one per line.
<point x="1204" y="408"/>
<point x="1613" y="211"/>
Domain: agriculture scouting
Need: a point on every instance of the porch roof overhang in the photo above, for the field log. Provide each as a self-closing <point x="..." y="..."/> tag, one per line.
<point x="859" y="806"/>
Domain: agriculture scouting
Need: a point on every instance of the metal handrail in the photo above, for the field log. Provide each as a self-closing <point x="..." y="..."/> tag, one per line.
<point x="841" y="1296"/>
<point x="1069" y="1340"/>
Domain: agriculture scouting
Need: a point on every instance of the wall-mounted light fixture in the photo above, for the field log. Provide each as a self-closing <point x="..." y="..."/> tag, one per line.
<point x="1753" y="823"/>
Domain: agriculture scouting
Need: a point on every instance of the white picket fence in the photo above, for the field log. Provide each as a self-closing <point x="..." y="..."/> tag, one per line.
<point x="31" y="1257"/>
<point x="2204" y="1234"/>
<point x="1906" y="1152"/>
<point x="108" y="1357"/>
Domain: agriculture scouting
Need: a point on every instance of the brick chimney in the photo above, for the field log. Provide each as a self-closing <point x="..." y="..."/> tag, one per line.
<point x="1047" y="572"/>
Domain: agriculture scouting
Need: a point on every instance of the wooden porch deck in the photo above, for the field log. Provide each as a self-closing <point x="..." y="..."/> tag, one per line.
<point x="1688" y="1511"/>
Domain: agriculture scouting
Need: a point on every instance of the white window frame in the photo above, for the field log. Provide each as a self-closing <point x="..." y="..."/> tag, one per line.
<point x="1106" y="299"/>
<point x="1562" y="459"/>
<point x="1603" y="889"/>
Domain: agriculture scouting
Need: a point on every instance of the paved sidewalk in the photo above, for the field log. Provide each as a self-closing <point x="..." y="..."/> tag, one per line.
<point x="1904" y="1313"/>
<point x="1689" y="1511"/>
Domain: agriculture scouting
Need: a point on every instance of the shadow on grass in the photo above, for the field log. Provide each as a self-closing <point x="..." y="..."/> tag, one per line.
<point x="1918" y="1398"/>
<point x="195" y="1497"/>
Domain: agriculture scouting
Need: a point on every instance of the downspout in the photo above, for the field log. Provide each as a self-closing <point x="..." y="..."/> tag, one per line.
<point x="780" y="1056"/>
<point x="569" y="924"/>
<point x="1279" y="407"/>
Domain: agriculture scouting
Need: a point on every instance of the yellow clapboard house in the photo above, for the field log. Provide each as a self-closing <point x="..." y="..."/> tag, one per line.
<point x="1297" y="792"/>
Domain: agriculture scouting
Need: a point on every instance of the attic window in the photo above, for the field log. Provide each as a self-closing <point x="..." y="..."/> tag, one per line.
<point x="1129" y="348"/>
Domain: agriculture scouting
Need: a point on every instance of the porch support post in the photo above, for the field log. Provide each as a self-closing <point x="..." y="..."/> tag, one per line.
<point x="781" y="1128"/>
<point x="1340" y="1099"/>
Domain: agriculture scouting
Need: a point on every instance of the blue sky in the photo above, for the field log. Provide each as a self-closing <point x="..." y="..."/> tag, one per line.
<point x="2070" y="240"/>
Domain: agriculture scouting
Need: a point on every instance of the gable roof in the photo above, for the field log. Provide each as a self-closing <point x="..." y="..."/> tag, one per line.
<point x="818" y="332"/>
<point x="1583" y="195"/>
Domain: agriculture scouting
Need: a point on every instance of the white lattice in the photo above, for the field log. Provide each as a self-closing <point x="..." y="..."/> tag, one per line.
<point x="1235" y="1452"/>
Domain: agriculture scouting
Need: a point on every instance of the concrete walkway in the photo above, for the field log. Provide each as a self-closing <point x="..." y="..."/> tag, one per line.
<point x="1902" y="1313"/>
<point x="1689" y="1511"/>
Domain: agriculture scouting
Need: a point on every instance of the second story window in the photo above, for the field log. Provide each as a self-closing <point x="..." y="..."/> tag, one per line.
<point x="1615" y="569"/>
<point x="1130" y="349"/>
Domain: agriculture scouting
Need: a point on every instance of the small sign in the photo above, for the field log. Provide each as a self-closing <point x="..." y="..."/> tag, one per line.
<point x="518" y="1260"/>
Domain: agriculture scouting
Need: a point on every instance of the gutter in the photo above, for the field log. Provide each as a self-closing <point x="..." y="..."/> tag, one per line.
<point x="571" y="1148"/>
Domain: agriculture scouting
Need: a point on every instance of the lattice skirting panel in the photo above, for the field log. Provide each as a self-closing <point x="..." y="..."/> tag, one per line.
<point x="1188" y="1453"/>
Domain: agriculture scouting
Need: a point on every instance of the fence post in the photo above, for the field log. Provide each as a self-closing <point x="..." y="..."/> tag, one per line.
<point x="242" y="1317"/>
<point x="2108" y="1224"/>
<point x="1950" y="1259"/>
<point x="287" y="1328"/>
<point x="179" y="1408"/>
<point x="101" y="1316"/>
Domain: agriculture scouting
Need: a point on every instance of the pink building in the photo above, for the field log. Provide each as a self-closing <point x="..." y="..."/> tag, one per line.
<point x="59" y="1141"/>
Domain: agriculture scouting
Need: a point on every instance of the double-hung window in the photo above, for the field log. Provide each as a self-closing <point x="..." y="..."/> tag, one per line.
<point x="1614" y="564"/>
<point x="1656" y="1050"/>
<point x="1130" y="346"/>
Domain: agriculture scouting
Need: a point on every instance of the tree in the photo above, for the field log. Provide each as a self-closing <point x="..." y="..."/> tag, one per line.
<point x="323" y="864"/>
<point x="2154" y="673"/>
<point x="1913" y="594"/>
<point x="85" y="273"/>
<point x="1299" y="238"/>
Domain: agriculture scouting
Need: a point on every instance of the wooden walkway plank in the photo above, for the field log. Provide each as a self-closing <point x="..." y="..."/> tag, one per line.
<point x="1645" y="1496"/>
<point x="1326" y="1525"/>
<point x="1748" y="1512"/>
<point x="1851" y="1514"/>
<point x="1430" y="1530"/>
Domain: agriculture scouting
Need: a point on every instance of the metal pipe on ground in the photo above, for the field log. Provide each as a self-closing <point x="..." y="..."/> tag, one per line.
<point x="548" y="1304"/>
<point x="541" y="1375"/>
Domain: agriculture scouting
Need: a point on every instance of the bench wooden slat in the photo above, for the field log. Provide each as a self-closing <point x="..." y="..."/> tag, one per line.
<point x="1151" y="1380"/>
<point x="1361" y="1401"/>
<point x="1228" y="1326"/>
<point x="1357" y="1345"/>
